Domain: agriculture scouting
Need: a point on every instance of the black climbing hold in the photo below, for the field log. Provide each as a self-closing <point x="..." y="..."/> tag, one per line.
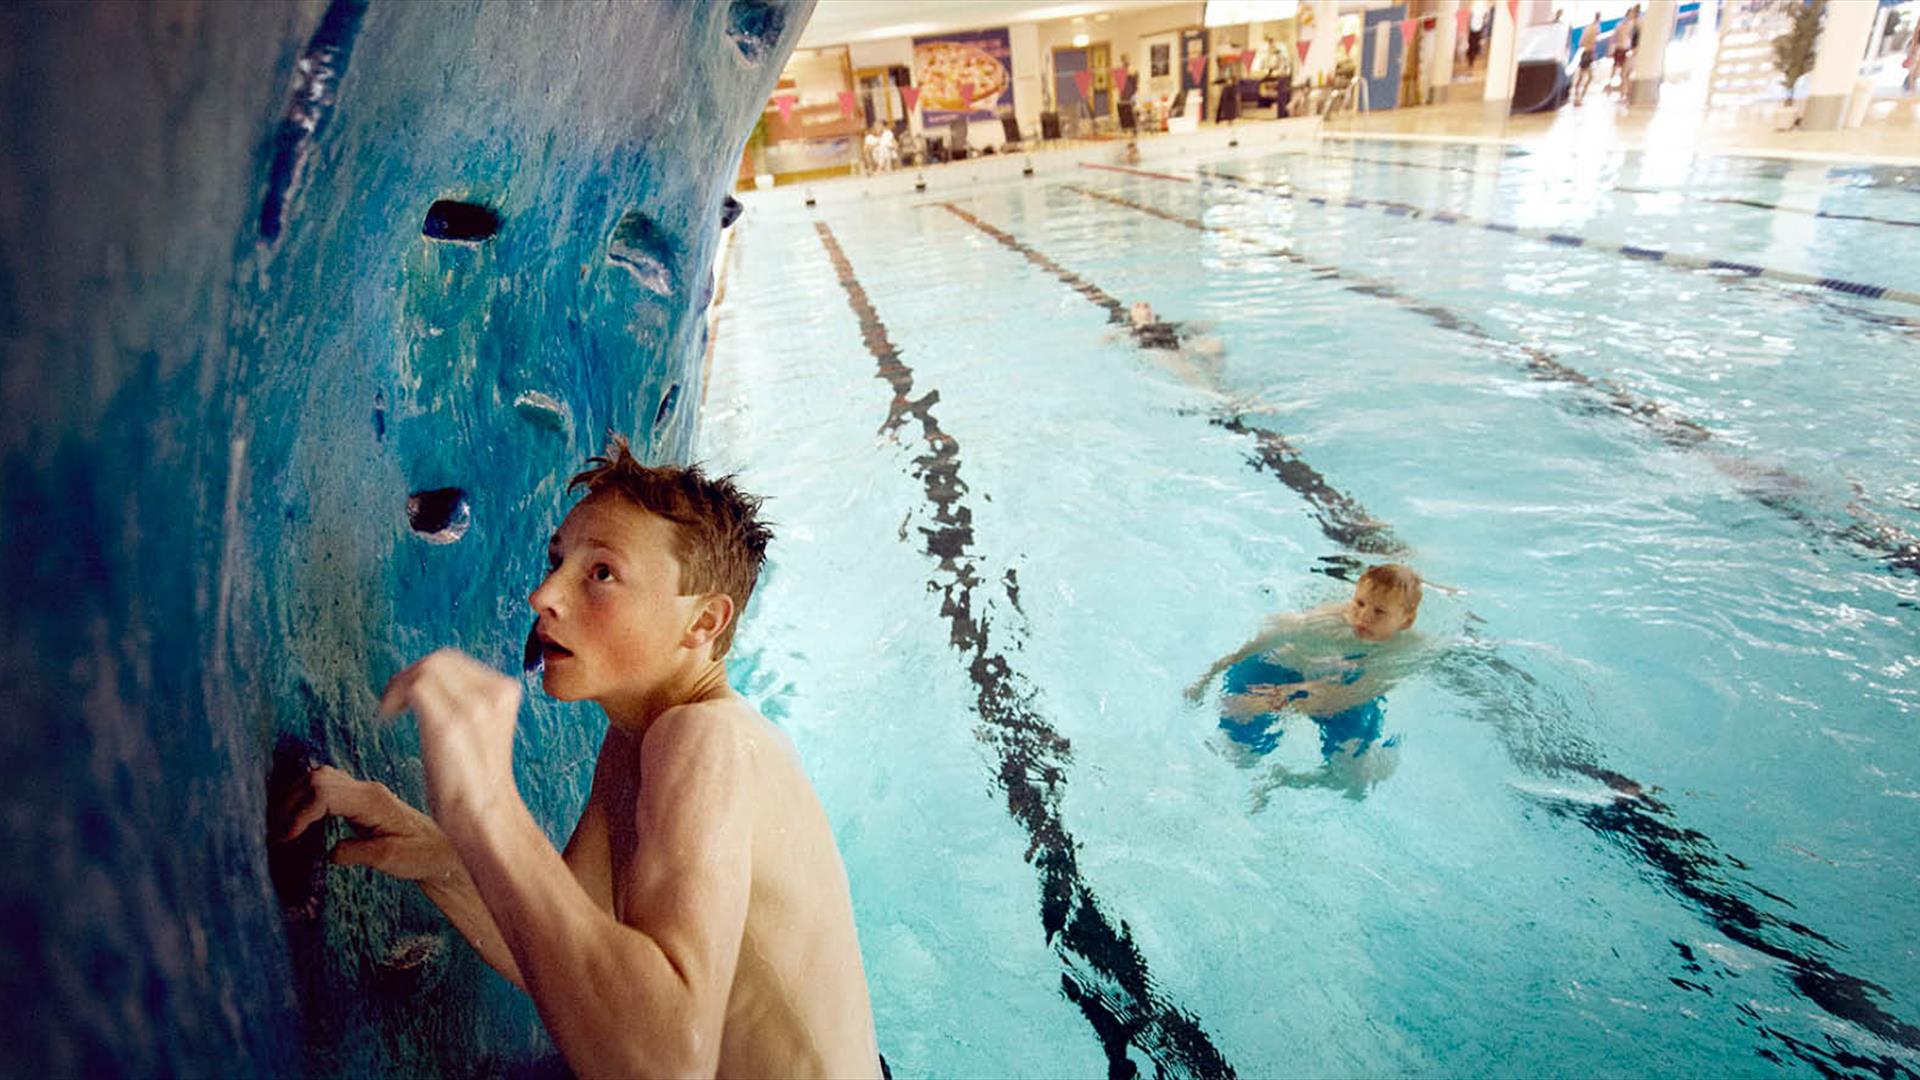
<point x="315" y="92"/>
<point x="530" y="654"/>
<point x="667" y="402"/>
<point x="448" y="219"/>
<point x="754" y="27"/>
<point x="439" y="515"/>
<point x="729" y="211"/>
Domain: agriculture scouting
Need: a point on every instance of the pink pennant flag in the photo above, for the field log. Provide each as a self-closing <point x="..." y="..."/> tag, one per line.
<point x="1196" y="67"/>
<point x="908" y="96"/>
<point x="1460" y="20"/>
<point x="1513" y="11"/>
<point x="785" y="101"/>
<point x="1407" y="28"/>
<point x="1119" y="77"/>
<point x="846" y="102"/>
<point x="1303" y="46"/>
<point x="1246" y="59"/>
<point x="1346" y="41"/>
<point x="966" y="95"/>
<point x="1084" y="80"/>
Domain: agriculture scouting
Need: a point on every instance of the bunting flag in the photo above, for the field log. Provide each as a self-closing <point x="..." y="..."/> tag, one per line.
<point x="847" y="102"/>
<point x="966" y="94"/>
<point x="1121" y="77"/>
<point x="1303" y="46"/>
<point x="1460" y="19"/>
<point x="1513" y="12"/>
<point x="1084" y="80"/>
<point x="785" y="101"/>
<point x="1246" y="59"/>
<point x="1197" y="67"/>
<point x="1346" y="41"/>
<point x="1407" y="29"/>
<point x="909" y="96"/>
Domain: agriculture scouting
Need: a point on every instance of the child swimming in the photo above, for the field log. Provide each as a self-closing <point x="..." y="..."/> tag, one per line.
<point x="1332" y="663"/>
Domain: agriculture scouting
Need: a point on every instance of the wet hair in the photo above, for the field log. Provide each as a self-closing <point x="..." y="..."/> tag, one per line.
<point x="719" y="539"/>
<point x="1396" y="578"/>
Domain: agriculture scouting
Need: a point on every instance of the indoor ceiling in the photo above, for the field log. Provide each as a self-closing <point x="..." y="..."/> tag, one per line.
<point x="839" y="22"/>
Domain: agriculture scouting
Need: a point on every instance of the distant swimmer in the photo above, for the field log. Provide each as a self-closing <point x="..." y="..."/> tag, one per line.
<point x="1193" y="357"/>
<point x="1333" y="665"/>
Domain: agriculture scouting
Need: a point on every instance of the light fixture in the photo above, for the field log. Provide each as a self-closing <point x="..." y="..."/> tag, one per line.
<point x="1080" y="41"/>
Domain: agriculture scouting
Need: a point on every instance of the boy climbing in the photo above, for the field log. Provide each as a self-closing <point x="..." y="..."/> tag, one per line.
<point x="1332" y="663"/>
<point x="699" y="921"/>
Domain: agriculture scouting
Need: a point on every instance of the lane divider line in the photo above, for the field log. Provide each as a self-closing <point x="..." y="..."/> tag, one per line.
<point x="1340" y="516"/>
<point x="1729" y="200"/>
<point x="1675" y="259"/>
<point x="1883" y="539"/>
<point x="1105" y="976"/>
<point x="1692" y="865"/>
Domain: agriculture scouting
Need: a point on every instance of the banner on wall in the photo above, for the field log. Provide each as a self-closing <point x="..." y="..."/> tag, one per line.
<point x="966" y="74"/>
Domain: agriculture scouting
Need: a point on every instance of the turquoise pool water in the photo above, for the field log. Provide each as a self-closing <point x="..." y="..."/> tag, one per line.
<point x="1676" y="505"/>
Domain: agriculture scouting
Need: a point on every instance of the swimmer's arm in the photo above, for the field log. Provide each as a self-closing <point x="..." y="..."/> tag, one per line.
<point x="1277" y="629"/>
<point x="644" y="994"/>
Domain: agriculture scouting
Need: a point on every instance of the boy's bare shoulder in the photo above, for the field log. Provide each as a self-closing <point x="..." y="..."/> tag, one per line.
<point x="720" y="725"/>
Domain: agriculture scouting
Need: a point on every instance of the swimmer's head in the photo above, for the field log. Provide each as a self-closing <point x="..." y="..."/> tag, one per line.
<point x="1385" y="601"/>
<point x="645" y="580"/>
<point x="1141" y="313"/>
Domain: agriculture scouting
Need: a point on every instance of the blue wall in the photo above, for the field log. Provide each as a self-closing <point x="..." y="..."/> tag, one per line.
<point x="230" y="355"/>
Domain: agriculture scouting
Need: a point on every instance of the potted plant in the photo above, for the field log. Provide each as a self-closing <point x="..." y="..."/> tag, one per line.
<point x="1793" y="53"/>
<point x="755" y="161"/>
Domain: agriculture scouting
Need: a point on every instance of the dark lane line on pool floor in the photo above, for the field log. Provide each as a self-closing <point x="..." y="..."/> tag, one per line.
<point x="1106" y="976"/>
<point x="1771" y="487"/>
<point x="1339" y="515"/>
<point x="1688" y="863"/>
<point x="1728" y="200"/>
<point x="1820" y="292"/>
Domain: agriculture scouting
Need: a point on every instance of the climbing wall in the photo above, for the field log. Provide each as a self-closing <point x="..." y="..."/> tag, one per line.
<point x="307" y="311"/>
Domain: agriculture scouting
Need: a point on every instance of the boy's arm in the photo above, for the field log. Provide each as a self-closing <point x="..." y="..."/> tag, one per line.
<point x="1276" y="629"/>
<point x="403" y="842"/>
<point x="646" y="994"/>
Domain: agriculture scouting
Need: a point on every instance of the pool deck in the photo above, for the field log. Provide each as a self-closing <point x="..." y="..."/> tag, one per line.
<point x="1681" y="124"/>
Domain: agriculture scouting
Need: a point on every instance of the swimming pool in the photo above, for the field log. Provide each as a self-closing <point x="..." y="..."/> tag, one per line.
<point x="1678" y="505"/>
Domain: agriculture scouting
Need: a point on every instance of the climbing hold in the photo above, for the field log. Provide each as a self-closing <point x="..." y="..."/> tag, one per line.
<point x="640" y="246"/>
<point x="439" y="515"/>
<point x="448" y="219"/>
<point x="543" y="410"/>
<point x="754" y="27"/>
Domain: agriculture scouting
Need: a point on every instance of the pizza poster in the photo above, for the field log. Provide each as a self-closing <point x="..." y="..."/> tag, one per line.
<point x="966" y="74"/>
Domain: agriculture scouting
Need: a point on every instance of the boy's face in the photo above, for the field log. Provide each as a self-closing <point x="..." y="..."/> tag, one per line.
<point x="612" y="621"/>
<point x="1376" y="614"/>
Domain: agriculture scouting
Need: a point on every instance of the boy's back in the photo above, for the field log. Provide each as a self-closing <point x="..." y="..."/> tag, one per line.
<point x="798" y="1004"/>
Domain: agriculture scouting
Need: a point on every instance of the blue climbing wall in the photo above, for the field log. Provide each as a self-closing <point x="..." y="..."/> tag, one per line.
<point x="307" y="311"/>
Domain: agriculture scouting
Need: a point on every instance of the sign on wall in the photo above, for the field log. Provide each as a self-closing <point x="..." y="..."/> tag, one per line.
<point x="963" y="74"/>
